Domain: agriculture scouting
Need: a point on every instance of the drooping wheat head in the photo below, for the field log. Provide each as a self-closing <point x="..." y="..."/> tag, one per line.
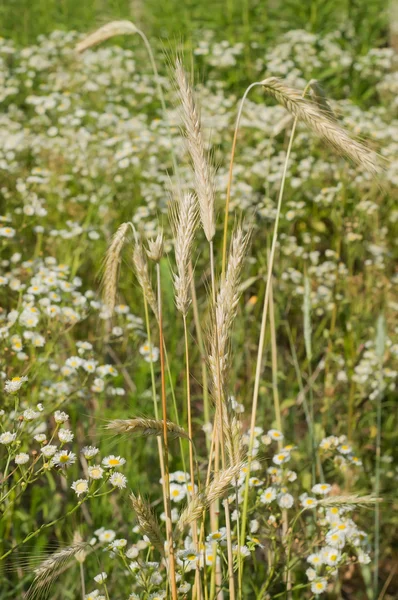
<point x="318" y="120"/>
<point x="106" y="32"/>
<point x="146" y="427"/>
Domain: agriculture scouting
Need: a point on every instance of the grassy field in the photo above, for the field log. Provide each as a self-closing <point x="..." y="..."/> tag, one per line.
<point x="144" y="279"/>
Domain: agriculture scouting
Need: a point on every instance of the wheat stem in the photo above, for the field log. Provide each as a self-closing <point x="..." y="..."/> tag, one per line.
<point x="262" y="336"/>
<point x="229" y="182"/>
<point x="166" y="483"/>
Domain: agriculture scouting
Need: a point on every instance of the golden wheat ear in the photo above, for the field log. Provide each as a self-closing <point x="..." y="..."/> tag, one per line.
<point x="106" y="32"/>
<point x="51" y="567"/>
<point x="350" y="500"/>
<point x="202" y="168"/>
<point x="111" y="266"/>
<point x="216" y="490"/>
<point x="183" y="218"/>
<point x="146" y="427"/>
<point x="147" y="522"/>
<point x="326" y="128"/>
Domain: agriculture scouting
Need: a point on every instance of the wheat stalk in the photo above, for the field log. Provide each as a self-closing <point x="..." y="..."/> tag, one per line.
<point x="147" y="522"/>
<point x="324" y="126"/>
<point x="203" y="171"/>
<point x="146" y="427"/>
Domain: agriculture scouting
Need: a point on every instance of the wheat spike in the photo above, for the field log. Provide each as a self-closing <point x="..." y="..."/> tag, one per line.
<point x="111" y="266"/>
<point x="155" y="247"/>
<point x="216" y="489"/>
<point x="141" y="270"/>
<point x="233" y="438"/>
<point x="183" y="220"/>
<point x="225" y="312"/>
<point x="146" y="427"/>
<point x="106" y="32"/>
<point x="203" y="171"/>
<point x="147" y="522"/>
<point x="350" y="500"/>
<point x="318" y="121"/>
<point x="51" y="567"/>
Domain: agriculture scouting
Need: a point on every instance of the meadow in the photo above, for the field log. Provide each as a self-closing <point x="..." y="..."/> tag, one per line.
<point x="198" y="300"/>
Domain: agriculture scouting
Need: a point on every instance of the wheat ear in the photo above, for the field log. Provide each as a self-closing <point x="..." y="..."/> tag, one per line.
<point x="324" y="126"/>
<point x="350" y="500"/>
<point x="216" y="490"/>
<point x="111" y="266"/>
<point x="225" y="311"/>
<point x="147" y="522"/>
<point x="203" y="171"/>
<point x="146" y="427"/>
<point x="48" y="570"/>
<point x="183" y="217"/>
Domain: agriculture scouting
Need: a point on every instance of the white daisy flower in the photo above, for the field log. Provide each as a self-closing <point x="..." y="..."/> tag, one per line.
<point x="48" y="450"/>
<point x="89" y="452"/>
<point x="14" y="384"/>
<point x="268" y="495"/>
<point x="285" y="500"/>
<point x="281" y="458"/>
<point x="80" y="486"/>
<point x="112" y="461"/>
<point x="118" y="480"/>
<point x="321" y="488"/>
<point x="22" y="458"/>
<point x="65" y="435"/>
<point x="177" y="492"/>
<point x="64" y="458"/>
<point x="7" y="438"/>
<point x="318" y="586"/>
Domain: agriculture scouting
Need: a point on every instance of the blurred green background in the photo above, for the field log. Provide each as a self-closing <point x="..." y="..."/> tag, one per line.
<point x="168" y="20"/>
